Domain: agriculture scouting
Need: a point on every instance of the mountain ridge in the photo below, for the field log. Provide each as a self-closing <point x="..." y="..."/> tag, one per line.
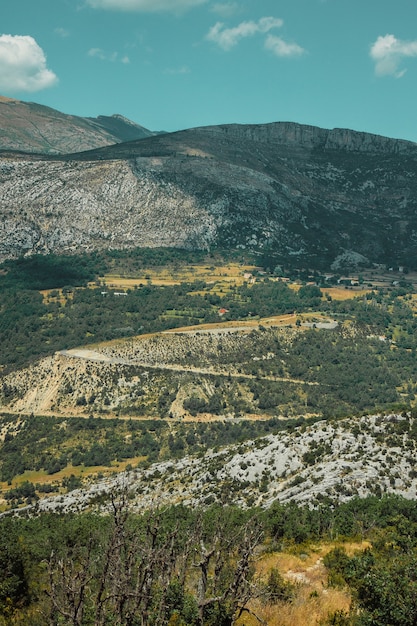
<point x="31" y="127"/>
<point x="313" y="136"/>
<point x="332" y="460"/>
<point x="291" y="134"/>
<point x="300" y="194"/>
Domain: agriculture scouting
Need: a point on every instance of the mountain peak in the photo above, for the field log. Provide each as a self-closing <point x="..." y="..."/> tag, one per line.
<point x="30" y="127"/>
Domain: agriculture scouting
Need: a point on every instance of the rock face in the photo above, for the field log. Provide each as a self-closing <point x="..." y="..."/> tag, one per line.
<point x="291" y="134"/>
<point x="301" y="193"/>
<point x="70" y="206"/>
<point x="30" y="127"/>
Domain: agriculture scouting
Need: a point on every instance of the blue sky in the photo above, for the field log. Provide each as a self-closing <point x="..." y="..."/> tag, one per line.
<point x="173" y="64"/>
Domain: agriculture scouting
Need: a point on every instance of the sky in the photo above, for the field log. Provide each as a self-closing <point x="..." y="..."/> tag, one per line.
<point x="175" y="64"/>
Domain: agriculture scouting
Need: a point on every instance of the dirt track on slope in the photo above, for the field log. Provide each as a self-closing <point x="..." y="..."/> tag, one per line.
<point x="92" y="355"/>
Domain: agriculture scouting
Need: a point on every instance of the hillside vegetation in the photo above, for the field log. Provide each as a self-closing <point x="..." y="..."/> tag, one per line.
<point x="218" y="427"/>
<point x="350" y="565"/>
<point x="321" y="358"/>
<point x="227" y="452"/>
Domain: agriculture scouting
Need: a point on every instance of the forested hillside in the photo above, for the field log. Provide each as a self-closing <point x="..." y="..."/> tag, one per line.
<point x="244" y="467"/>
<point x="215" y="567"/>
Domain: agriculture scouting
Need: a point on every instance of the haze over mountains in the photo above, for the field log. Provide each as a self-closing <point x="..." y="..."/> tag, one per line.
<point x="31" y="127"/>
<point x="306" y="195"/>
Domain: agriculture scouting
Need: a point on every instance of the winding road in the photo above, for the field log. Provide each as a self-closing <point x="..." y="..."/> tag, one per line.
<point x="99" y="357"/>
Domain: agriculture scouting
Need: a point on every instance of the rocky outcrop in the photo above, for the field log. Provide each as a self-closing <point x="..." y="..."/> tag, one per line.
<point x="69" y="207"/>
<point x="292" y="134"/>
<point x="322" y="461"/>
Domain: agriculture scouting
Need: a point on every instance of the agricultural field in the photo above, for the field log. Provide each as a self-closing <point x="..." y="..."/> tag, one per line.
<point x="223" y="274"/>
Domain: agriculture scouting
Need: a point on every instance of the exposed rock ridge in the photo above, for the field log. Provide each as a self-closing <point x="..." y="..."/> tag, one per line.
<point x="66" y="207"/>
<point x="293" y="134"/>
<point x="276" y="468"/>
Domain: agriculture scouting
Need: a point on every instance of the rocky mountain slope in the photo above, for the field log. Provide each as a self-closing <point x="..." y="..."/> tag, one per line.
<point x="304" y="194"/>
<point x="221" y="374"/>
<point x="31" y="127"/>
<point x="371" y="455"/>
<point x="152" y="376"/>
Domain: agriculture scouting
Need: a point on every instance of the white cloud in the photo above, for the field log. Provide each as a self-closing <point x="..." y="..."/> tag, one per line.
<point x="98" y="53"/>
<point x="388" y="52"/>
<point x="225" y="9"/>
<point x="281" y="48"/>
<point x="146" y="6"/>
<point x="61" y="32"/>
<point x="23" y="65"/>
<point x="184" y="69"/>
<point x="227" y="38"/>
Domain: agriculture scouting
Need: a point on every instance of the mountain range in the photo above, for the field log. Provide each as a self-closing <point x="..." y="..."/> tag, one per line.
<point x="302" y="195"/>
<point x="31" y="127"/>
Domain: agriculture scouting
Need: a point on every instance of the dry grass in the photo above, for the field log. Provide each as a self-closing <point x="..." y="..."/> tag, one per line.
<point x="341" y="293"/>
<point x="305" y="610"/>
<point x="209" y="417"/>
<point x="314" y="601"/>
<point x="80" y="471"/>
<point x="277" y="320"/>
<point x="413" y="302"/>
<point x="47" y="298"/>
<point x="337" y="293"/>
<point x="230" y="273"/>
